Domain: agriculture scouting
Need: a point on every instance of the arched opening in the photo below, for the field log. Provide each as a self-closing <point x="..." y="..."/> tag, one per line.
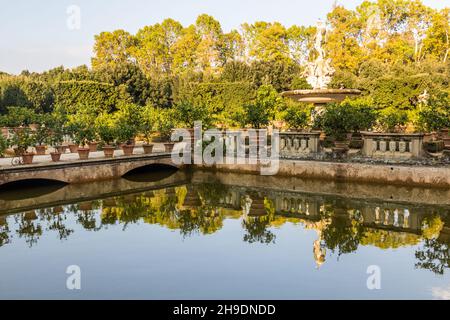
<point x="29" y="188"/>
<point x="150" y="173"/>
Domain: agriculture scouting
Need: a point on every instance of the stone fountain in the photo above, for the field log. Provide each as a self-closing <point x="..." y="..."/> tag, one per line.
<point x="319" y="73"/>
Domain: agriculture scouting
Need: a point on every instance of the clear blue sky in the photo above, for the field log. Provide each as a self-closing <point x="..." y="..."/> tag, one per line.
<point x="34" y="34"/>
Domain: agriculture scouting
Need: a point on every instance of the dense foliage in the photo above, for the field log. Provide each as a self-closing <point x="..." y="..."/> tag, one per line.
<point x="395" y="51"/>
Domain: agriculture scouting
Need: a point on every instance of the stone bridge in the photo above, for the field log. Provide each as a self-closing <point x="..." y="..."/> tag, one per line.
<point x="83" y="171"/>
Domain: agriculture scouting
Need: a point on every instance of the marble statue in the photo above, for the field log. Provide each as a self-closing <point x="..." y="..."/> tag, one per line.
<point x="318" y="73"/>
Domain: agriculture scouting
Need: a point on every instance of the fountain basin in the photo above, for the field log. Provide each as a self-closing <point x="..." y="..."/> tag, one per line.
<point x="321" y="96"/>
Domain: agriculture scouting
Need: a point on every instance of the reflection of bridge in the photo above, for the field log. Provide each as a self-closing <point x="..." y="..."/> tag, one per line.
<point x="83" y="171"/>
<point x="82" y="192"/>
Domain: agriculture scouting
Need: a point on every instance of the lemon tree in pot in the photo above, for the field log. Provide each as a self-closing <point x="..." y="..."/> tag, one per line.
<point x="42" y="133"/>
<point x="55" y="139"/>
<point x="105" y="129"/>
<point x="434" y="118"/>
<point x="337" y="121"/>
<point x="82" y="129"/>
<point x="148" y="120"/>
<point x="23" y="140"/>
<point x="126" y="121"/>
<point x="164" y="125"/>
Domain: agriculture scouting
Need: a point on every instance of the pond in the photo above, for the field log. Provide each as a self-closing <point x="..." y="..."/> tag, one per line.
<point x="204" y="235"/>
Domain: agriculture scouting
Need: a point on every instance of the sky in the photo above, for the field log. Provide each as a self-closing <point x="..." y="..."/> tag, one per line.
<point x="39" y="35"/>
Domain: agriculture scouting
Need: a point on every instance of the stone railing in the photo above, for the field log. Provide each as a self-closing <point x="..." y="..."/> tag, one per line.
<point x="392" y="145"/>
<point x="299" y="144"/>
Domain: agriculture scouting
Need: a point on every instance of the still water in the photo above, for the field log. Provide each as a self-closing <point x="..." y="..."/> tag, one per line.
<point x="200" y="235"/>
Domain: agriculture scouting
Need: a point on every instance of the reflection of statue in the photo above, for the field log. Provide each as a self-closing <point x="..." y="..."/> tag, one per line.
<point x="318" y="73"/>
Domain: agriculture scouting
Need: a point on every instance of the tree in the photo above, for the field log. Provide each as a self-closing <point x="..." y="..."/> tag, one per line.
<point x="263" y="109"/>
<point x="112" y="48"/>
<point x="155" y="47"/>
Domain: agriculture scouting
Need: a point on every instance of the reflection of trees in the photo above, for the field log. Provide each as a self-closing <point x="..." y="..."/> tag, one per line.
<point x="256" y="227"/>
<point x="342" y="234"/>
<point x="28" y="228"/>
<point x="55" y="222"/>
<point x="434" y="253"/>
<point x="4" y="231"/>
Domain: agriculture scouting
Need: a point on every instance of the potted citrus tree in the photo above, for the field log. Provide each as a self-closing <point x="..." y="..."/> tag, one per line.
<point x="433" y="120"/>
<point x="164" y="125"/>
<point x="23" y="140"/>
<point x="297" y="119"/>
<point x="104" y="126"/>
<point x="83" y="132"/>
<point x="126" y="121"/>
<point x="55" y="139"/>
<point x="42" y="133"/>
<point x="337" y="122"/>
<point x="149" y="117"/>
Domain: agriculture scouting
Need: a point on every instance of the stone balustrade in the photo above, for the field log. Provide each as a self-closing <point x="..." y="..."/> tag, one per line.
<point x="392" y="145"/>
<point x="299" y="144"/>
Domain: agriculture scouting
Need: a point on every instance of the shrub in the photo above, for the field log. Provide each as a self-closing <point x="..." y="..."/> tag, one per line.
<point x="337" y="121"/>
<point x="4" y="144"/>
<point x="23" y="139"/>
<point x="392" y="119"/>
<point x="19" y="116"/>
<point x="263" y="109"/>
<point x="296" y="118"/>
<point x="363" y="114"/>
<point x="126" y="121"/>
<point x="436" y="115"/>
<point x="105" y="128"/>
<point x="149" y="118"/>
<point x="81" y="127"/>
<point x="187" y="112"/>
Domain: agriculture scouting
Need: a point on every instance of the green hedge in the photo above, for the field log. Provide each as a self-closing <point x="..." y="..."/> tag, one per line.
<point x="44" y="96"/>
<point x="101" y="97"/>
<point x="225" y="100"/>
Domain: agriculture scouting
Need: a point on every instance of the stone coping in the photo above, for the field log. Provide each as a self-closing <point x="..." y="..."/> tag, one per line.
<point x="321" y="92"/>
<point x="393" y="134"/>
<point x="305" y="133"/>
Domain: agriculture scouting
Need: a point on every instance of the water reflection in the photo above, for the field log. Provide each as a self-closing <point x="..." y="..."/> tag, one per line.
<point x="342" y="225"/>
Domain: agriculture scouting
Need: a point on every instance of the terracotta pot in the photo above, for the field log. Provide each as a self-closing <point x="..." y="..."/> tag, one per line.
<point x="56" y="156"/>
<point x="93" y="146"/>
<point x="60" y="149"/>
<point x="28" y="158"/>
<point x="341" y="146"/>
<point x="73" y="148"/>
<point x="83" y="153"/>
<point x="108" y="151"/>
<point x="40" y="150"/>
<point x="128" y="149"/>
<point x="169" y="146"/>
<point x="148" y="148"/>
